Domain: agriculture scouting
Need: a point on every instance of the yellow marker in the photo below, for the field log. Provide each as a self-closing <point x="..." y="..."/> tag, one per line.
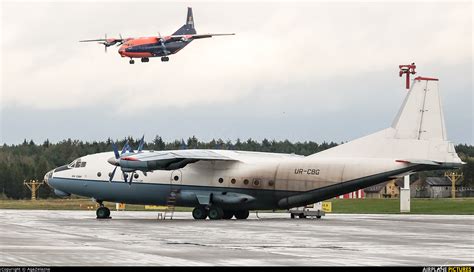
<point x="327" y="206"/>
<point x="154" y="207"/>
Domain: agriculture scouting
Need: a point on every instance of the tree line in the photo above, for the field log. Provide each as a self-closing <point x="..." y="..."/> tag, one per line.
<point x="31" y="161"/>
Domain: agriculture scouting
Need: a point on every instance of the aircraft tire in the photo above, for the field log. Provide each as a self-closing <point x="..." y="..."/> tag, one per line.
<point x="103" y="212"/>
<point x="242" y="214"/>
<point x="216" y="213"/>
<point x="131" y="61"/>
<point x="228" y="215"/>
<point x="199" y="213"/>
<point x="302" y="215"/>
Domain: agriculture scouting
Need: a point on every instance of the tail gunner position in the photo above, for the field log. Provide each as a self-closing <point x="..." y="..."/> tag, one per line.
<point x="158" y="46"/>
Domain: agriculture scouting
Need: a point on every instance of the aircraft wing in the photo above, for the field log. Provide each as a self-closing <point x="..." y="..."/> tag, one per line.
<point x="169" y="160"/>
<point x="195" y="36"/>
<point x="180" y="154"/>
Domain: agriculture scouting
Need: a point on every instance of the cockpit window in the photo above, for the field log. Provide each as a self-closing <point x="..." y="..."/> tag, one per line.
<point x="77" y="163"/>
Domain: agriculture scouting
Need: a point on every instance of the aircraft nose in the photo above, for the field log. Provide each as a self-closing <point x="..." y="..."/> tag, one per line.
<point x="48" y="176"/>
<point x="121" y="51"/>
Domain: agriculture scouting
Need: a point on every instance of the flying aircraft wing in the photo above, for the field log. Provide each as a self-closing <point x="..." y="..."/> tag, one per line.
<point x="169" y="160"/>
<point x="194" y="36"/>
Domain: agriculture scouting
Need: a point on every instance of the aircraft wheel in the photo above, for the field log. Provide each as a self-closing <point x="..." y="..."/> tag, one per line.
<point x="131" y="61"/>
<point x="145" y="59"/>
<point x="103" y="212"/>
<point x="302" y="215"/>
<point x="292" y="216"/>
<point x="215" y="213"/>
<point x="200" y="212"/>
<point x="165" y="58"/>
<point x="228" y="215"/>
<point x="242" y="214"/>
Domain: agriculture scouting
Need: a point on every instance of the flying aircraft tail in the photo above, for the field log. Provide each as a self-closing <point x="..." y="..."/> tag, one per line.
<point x="188" y="28"/>
<point x="417" y="135"/>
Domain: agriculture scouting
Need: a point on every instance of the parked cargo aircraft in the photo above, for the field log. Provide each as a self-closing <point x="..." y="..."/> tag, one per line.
<point x="148" y="47"/>
<point x="225" y="183"/>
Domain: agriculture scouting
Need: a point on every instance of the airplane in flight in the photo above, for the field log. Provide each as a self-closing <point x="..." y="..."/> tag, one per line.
<point x="158" y="46"/>
<point x="221" y="184"/>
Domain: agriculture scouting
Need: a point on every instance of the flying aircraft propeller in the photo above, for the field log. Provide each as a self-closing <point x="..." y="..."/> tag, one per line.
<point x="107" y="42"/>
<point x="117" y="156"/>
<point x="163" y="46"/>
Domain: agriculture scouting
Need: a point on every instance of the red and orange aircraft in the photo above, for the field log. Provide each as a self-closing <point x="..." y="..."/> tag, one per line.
<point x="148" y="47"/>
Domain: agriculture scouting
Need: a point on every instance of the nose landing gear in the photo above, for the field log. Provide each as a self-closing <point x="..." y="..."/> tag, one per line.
<point x="132" y="61"/>
<point x="102" y="212"/>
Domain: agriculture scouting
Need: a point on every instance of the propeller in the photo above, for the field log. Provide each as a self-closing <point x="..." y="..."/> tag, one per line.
<point x="117" y="156"/>
<point x="163" y="46"/>
<point x="107" y="42"/>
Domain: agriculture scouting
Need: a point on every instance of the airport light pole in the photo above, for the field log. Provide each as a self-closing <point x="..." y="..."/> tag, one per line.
<point x="453" y="176"/>
<point x="33" y="185"/>
<point x="406" y="69"/>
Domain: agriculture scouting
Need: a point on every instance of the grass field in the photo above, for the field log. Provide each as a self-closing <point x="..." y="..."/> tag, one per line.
<point x="418" y="206"/>
<point x="374" y="206"/>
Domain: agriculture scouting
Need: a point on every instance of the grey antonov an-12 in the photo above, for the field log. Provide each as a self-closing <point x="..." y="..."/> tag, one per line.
<point x="226" y="183"/>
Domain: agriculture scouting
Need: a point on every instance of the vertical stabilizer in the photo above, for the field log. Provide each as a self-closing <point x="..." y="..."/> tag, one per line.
<point x="188" y="28"/>
<point x="421" y="115"/>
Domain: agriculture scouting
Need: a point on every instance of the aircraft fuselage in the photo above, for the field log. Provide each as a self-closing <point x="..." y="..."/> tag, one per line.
<point x="149" y="47"/>
<point x="257" y="180"/>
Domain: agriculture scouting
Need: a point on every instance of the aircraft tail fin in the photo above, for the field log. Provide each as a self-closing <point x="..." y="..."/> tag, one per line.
<point x="418" y="132"/>
<point x="188" y="28"/>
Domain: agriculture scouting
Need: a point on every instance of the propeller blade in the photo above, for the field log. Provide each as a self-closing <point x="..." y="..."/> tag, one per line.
<point x="140" y="145"/>
<point x="131" y="178"/>
<point x="112" y="174"/>
<point x="125" y="176"/>
<point x="125" y="148"/>
<point x="114" y="147"/>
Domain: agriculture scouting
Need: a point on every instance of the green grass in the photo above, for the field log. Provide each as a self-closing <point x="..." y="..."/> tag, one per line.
<point x="364" y="206"/>
<point x="67" y="204"/>
<point x="418" y="206"/>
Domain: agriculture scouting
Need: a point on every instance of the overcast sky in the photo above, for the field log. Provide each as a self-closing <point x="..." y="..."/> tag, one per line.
<point x="300" y="71"/>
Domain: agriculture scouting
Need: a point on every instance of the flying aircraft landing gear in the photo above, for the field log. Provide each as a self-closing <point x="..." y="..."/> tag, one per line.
<point x="145" y="59"/>
<point x="102" y="212"/>
<point x="165" y="58"/>
<point x="131" y="61"/>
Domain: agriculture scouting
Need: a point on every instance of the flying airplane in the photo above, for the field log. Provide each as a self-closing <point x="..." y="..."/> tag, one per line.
<point x="221" y="184"/>
<point x="158" y="46"/>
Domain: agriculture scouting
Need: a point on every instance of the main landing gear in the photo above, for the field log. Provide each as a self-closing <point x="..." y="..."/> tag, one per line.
<point x="217" y="213"/>
<point x="145" y="59"/>
<point x="165" y="58"/>
<point x="102" y="212"/>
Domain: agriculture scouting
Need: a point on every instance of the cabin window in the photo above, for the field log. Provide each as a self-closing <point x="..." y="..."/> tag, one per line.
<point x="232" y="181"/>
<point x="99" y="174"/>
<point x="221" y="180"/>
<point x="256" y="182"/>
<point x="246" y="181"/>
<point x="136" y="175"/>
<point x="176" y="178"/>
<point x="271" y="183"/>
